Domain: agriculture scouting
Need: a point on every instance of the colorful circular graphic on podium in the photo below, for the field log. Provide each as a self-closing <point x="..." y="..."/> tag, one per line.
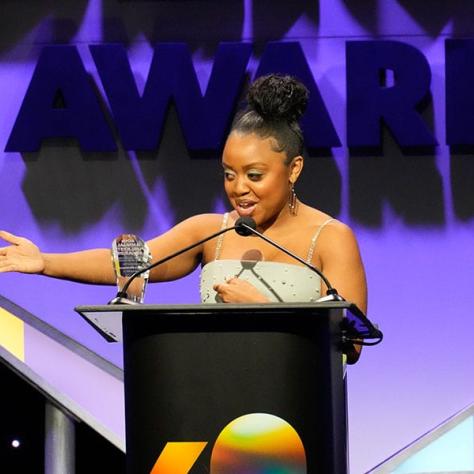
<point x="258" y="443"/>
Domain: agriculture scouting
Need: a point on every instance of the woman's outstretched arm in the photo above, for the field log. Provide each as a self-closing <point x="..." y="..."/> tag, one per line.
<point x="95" y="265"/>
<point x="88" y="266"/>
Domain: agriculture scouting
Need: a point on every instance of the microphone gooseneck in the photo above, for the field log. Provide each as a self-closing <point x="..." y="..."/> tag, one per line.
<point x="246" y="226"/>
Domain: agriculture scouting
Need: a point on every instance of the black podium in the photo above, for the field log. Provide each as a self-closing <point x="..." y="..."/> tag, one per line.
<point x="192" y="370"/>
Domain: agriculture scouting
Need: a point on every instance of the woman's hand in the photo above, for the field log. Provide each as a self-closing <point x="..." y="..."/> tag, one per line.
<point x="235" y="290"/>
<point x="21" y="256"/>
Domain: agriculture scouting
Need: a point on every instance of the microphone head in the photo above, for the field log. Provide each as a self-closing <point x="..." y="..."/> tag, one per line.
<point x="242" y="224"/>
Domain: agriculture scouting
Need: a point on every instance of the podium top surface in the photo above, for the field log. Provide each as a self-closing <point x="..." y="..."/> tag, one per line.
<point x="219" y="307"/>
<point x="107" y="319"/>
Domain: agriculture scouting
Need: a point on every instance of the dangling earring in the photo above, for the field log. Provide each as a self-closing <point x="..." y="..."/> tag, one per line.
<point x="292" y="201"/>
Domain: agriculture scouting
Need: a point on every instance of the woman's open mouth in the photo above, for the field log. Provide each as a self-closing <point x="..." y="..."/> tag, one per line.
<point x="245" y="208"/>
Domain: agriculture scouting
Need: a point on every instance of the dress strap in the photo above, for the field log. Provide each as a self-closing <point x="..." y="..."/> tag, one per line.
<point x="221" y="237"/>
<point x="309" y="258"/>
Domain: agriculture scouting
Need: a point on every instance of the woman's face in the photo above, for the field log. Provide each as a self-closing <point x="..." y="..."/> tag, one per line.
<point x="256" y="179"/>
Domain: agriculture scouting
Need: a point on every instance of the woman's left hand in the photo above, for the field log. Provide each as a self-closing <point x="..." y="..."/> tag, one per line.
<point x="235" y="290"/>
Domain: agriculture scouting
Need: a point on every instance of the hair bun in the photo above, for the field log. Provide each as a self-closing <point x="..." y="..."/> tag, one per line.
<point x="277" y="97"/>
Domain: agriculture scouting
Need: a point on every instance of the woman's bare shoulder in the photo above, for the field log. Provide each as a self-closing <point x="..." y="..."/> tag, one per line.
<point x="332" y="227"/>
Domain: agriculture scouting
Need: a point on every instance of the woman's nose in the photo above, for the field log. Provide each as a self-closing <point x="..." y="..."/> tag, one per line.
<point x="241" y="186"/>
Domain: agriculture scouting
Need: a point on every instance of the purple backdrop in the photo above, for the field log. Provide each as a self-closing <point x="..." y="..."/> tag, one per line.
<point x="413" y="215"/>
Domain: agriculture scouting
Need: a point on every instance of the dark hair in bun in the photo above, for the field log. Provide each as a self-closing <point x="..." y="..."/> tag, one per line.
<point x="275" y="105"/>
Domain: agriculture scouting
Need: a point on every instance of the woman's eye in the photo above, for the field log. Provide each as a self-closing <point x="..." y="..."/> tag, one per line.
<point x="255" y="176"/>
<point x="228" y="176"/>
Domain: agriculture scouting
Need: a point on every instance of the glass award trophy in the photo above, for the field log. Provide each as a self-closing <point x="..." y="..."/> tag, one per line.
<point x="130" y="254"/>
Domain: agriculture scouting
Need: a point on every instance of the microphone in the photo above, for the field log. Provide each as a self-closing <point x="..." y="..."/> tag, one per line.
<point x="246" y="226"/>
<point x="122" y="296"/>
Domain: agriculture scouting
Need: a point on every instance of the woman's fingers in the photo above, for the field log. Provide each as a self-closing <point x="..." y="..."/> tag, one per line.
<point x="10" y="238"/>
<point x="21" y="255"/>
<point x="235" y="290"/>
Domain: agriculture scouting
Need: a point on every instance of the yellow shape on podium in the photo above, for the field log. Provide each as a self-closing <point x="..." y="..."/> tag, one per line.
<point x="12" y="334"/>
<point x="178" y="457"/>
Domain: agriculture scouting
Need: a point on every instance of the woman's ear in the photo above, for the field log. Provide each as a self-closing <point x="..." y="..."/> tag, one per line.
<point x="296" y="166"/>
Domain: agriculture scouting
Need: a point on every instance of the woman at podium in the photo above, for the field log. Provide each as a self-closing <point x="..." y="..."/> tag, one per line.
<point x="262" y="161"/>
